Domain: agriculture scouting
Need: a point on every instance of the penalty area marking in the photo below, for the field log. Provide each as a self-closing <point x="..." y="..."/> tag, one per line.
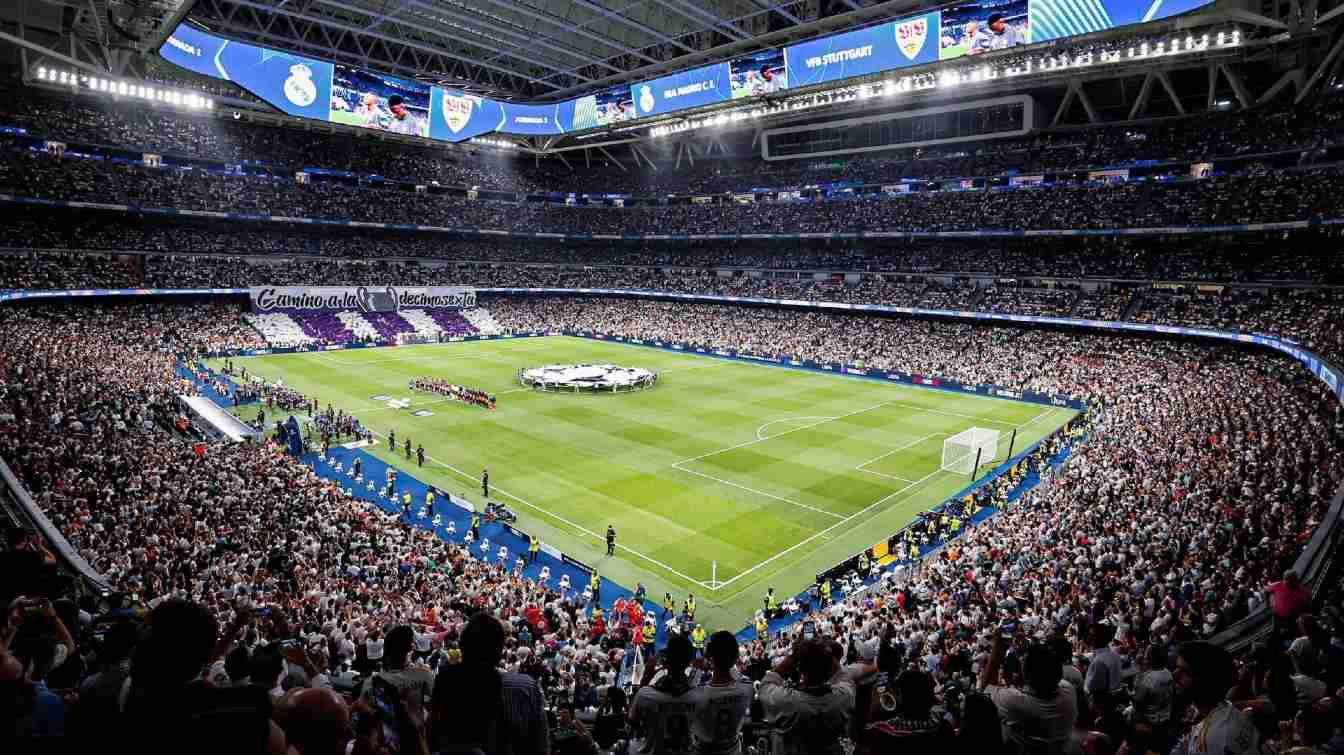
<point x="566" y="522"/>
<point x="720" y="480"/>
<point x="911" y="444"/>
<point x="762" y="435"/>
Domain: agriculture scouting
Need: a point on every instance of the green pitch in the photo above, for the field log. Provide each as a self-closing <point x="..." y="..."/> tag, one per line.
<point x="724" y="479"/>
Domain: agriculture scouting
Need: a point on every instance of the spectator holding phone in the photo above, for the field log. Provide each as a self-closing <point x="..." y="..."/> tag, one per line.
<point x="1038" y="719"/>
<point x="413" y="681"/>
<point x="662" y="707"/>
<point x="811" y="716"/>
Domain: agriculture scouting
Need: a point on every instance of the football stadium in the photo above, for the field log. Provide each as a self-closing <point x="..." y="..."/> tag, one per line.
<point x="736" y="377"/>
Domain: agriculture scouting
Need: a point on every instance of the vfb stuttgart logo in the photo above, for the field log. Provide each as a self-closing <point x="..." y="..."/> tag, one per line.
<point x="910" y="36"/>
<point x="457" y="110"/>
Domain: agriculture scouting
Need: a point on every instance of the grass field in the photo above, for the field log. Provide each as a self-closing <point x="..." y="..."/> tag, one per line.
<point x="725" y="479"/>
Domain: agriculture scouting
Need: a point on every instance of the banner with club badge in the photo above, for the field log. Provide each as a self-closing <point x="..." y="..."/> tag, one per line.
<point x="360" y="298"/>
<point x="896" y="44"/>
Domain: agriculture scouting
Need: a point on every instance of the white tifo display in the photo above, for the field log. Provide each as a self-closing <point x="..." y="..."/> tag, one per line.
<point x="960" y="450"/>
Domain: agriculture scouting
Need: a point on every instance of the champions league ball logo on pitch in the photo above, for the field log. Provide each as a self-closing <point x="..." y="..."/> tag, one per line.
<point x="299" y="87"/>
<point x="457" y="110"/>
<point x="911" y="35"/>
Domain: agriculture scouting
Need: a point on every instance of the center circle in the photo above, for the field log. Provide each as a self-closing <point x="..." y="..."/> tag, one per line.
<point x="587" y="377"/>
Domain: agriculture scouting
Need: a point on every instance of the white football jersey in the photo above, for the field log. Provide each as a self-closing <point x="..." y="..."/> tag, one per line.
<point x="720" y="712"/>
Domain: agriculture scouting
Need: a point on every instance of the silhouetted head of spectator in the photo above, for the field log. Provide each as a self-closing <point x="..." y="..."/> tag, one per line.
<point x="815" y="663"/>
<point x="316" y="721"/>
<point x="397" y="647"/>
<point x="680" y="653"/>
<point x="468" y="695"/>
<point x="1062" y="649"/>
<point x="980" y="722"/>
<point x="1204" y="671"/>
<point x="1042" y="670"/>
<point x="916" y="689"/>
<point x="237" y="662"/>
<point x="722" y="651"/>
<point x="266" y="666"/>
<point x="173" y="651"/>
<point x="482" y="640"/>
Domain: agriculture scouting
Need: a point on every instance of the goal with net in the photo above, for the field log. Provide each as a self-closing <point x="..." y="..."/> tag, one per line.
<point x="963" y="450"/>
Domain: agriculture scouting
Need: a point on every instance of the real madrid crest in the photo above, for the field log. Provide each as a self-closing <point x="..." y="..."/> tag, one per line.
<point x="299" y="87"/>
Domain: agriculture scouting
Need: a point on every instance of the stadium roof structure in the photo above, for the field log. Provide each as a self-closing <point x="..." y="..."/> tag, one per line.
<point x="534" y="50"/>
<point x="554" y="51"/>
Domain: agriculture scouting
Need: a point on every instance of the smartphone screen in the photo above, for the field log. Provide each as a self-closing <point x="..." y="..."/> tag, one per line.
<point x="809" y="630"/>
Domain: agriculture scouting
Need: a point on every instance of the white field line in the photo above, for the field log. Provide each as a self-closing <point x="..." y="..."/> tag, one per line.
<point x="780" y="435"/>
<point x="328" y="356"/>
<point x="897" y="478"/>
<point x="911" y="444"/>
<point x="697" y="367"/>
<point x="825" y="533"/>
<point x="927" y="410"/>
<point x="828" y="530"/>
<point x="757" y="492"/>
<point x="563" y="520"/>
<point x="1034" y="420"/>
<point x="762" y="436"/>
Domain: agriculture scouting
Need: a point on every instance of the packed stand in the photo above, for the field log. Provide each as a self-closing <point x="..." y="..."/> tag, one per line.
<point x="1292" y="195"/>
<point x="1272" y="129"/>
<point x="265" y="586"/>
<point x="1248" y="257"/>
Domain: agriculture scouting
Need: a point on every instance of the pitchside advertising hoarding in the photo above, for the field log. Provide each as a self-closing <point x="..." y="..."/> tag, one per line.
<point x="311" y="88"/>
<point x="362" y="298"/>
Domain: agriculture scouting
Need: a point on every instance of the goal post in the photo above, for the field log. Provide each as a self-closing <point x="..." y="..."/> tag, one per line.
<point x="963" y="451"/>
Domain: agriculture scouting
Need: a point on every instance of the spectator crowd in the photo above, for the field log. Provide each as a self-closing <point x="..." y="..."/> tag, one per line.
<point x="250" y="592"/>
<point x="1304" y="194"/>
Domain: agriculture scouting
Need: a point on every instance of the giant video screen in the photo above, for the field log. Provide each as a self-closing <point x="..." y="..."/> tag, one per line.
<point x="894" y="44"/>
<point x="758" y="75"/>
<point x="310" y="88"/>
<point x="606" y="108"/>
<point x="978" y="28"/>
<point x="379" y="102"/>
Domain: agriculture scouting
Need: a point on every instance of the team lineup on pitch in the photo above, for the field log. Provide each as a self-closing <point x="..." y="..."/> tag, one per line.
<point x="725" y="479"/>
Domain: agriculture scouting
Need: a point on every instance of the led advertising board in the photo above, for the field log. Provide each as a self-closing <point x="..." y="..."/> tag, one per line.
<point x="1057" y="19"/>
<point x="310" y="88"/>
<point x="296" y="85"/>
<point x="894" y="44"/>
<point x="685" y="89"/>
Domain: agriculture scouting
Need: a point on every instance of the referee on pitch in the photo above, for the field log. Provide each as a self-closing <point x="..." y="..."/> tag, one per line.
<point x="611" y="541"/>
<point x="485" y="483"/>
